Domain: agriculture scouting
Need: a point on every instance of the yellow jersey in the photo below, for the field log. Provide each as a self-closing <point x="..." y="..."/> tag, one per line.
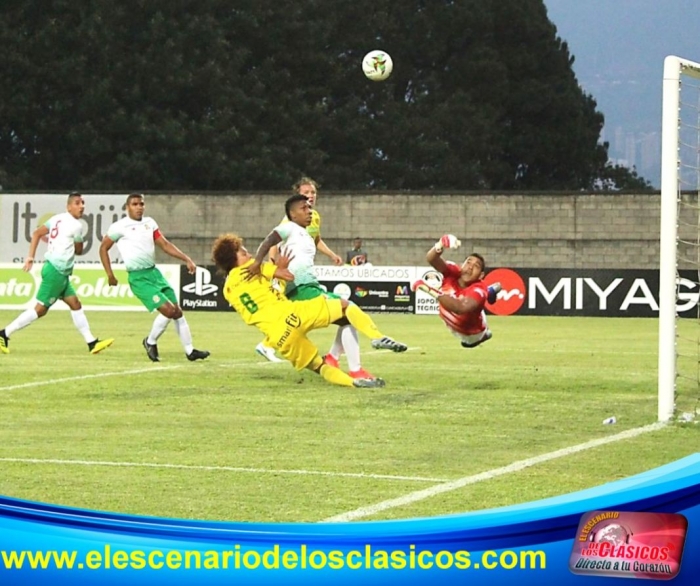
<point x="256" y="301"/>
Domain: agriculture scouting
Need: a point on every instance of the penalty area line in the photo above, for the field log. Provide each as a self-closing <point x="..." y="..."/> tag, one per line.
<point x="420" y="495"/>
<point x="221" y="469"/>
<point x="54" y="381"/>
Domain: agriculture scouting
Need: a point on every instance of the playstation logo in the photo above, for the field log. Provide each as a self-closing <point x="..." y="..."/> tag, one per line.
<point x="202" y="283"/>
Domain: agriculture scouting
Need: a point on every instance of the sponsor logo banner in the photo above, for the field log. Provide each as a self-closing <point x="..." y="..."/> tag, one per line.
<point x="18" y="289"/>
<point x="202" y="290"/>
<point x="383" y="296"/>
<point x="603" y="293"/>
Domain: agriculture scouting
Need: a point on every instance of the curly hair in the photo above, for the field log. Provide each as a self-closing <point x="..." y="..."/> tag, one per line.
<point x="224" y="253"/>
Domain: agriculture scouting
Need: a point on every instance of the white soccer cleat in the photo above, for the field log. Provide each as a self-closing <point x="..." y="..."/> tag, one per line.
<point x="267" y="353"/>
<point x="387" y="343"/>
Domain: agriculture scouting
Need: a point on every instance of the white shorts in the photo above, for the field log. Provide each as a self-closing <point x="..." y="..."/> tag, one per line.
<point x="471" y="339"/>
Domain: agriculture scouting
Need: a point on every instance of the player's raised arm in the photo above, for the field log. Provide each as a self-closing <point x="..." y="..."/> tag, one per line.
<point x="272" y="239"/>
<point x="434" y="257"/>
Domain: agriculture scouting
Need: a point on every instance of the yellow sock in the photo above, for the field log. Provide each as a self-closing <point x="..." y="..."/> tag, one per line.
<point x="362" y="322"/>
<point x="335" y="376"/>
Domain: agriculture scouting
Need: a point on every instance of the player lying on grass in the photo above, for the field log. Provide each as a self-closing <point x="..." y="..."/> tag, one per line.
<point x="463" y="293"/>
<point x="286" y="323"/>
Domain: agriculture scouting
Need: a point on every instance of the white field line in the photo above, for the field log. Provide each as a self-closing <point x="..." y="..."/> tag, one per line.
<point x="420" y="495"/>
<point x="40" y="383"/>
<point x="54" y="381"/>
<point x="220" y="469"/>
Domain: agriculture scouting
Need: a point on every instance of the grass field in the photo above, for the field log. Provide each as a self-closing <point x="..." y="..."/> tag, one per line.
<point x="237" y="438"/>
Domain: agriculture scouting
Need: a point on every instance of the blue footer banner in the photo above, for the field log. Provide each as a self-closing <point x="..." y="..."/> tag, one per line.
<point x="643" y="527"/>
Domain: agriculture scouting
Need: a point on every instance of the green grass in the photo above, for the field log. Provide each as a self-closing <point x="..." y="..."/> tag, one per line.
<point x="541" y="384"/>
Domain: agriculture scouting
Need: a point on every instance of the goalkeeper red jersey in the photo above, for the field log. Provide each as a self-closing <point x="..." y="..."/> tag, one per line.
<point x="466" y="324"/>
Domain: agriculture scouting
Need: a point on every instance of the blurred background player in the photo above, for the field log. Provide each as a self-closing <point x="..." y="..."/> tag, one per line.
<point x="248" y="288"/>
<point x="136" y="237"/>
<point x="64" y="233"/>
<point x="463" y="293"/>
<point x="356" y="256"/>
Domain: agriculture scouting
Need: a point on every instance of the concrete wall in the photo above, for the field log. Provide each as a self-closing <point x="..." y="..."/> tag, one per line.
<point x="540" y="230"/>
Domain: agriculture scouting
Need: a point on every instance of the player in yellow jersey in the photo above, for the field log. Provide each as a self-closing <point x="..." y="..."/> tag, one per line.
<point x="286" y="323"/>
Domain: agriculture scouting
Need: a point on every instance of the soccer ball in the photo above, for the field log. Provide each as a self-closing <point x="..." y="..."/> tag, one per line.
<point x="377" y="65"/>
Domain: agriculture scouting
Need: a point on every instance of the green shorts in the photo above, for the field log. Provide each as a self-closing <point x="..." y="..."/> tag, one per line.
<point x="309" y="291"/>
<point x="150" y="286"/>
<point x="54" y="286"/>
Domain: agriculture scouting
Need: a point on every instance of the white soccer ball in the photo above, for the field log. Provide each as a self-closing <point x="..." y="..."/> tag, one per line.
<point x="377" y="65"/>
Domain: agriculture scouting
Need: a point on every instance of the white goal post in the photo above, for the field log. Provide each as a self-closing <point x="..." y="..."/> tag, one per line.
<point x="680" y="160"/>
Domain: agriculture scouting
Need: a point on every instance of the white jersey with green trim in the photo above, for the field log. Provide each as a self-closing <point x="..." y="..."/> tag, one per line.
<point x="297" y="242"/>
<point x="64" y="232"/>
<point x="136" y="241"/>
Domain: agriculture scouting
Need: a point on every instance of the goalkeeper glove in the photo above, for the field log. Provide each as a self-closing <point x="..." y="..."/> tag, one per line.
<point x="423" y="286"/>
<point x="447" y="241"/>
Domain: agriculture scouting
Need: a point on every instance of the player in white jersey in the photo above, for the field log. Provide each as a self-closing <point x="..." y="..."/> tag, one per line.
<point x="136" y="237"/>
<point x="301" y="248"/>
<point x="64" y="234"/>
<point x="346" y="340"/>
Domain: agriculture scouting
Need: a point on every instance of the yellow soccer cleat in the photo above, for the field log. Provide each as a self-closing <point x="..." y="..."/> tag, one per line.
<point x="98" y="345"/>
<point x="4" y="343"/>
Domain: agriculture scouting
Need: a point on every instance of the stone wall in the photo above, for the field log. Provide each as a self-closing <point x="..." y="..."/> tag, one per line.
<point x="583" y="230"/>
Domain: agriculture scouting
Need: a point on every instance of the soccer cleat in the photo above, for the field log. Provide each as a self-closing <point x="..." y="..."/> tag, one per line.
<point x="4" y="342"/>
<point x="361" y="373"/>
<point x="151" y="350"/>
<point x="487" y="336"/>
<point x="331" y="360"/>
<point x="387" y="343"/>
<point x="368" y="383"/>
<point x="267" y="353"/>
<point x="492" y="292"/>
<point x="97" y="345"/>
<point x="197" y="355"/>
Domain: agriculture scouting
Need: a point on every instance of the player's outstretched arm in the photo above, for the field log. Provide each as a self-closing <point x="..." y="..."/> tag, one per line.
<point x="325" y="249"/>
<point x="170" y="249"/>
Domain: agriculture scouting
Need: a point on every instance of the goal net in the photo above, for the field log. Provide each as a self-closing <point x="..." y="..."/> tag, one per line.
<point x="679" y="275"/>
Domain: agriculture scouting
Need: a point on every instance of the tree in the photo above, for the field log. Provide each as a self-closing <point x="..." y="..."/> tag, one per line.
<point x="209" y="94"/>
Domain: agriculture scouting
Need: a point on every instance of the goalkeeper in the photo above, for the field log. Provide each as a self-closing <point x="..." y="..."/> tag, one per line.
<point x="463" y="293"/>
